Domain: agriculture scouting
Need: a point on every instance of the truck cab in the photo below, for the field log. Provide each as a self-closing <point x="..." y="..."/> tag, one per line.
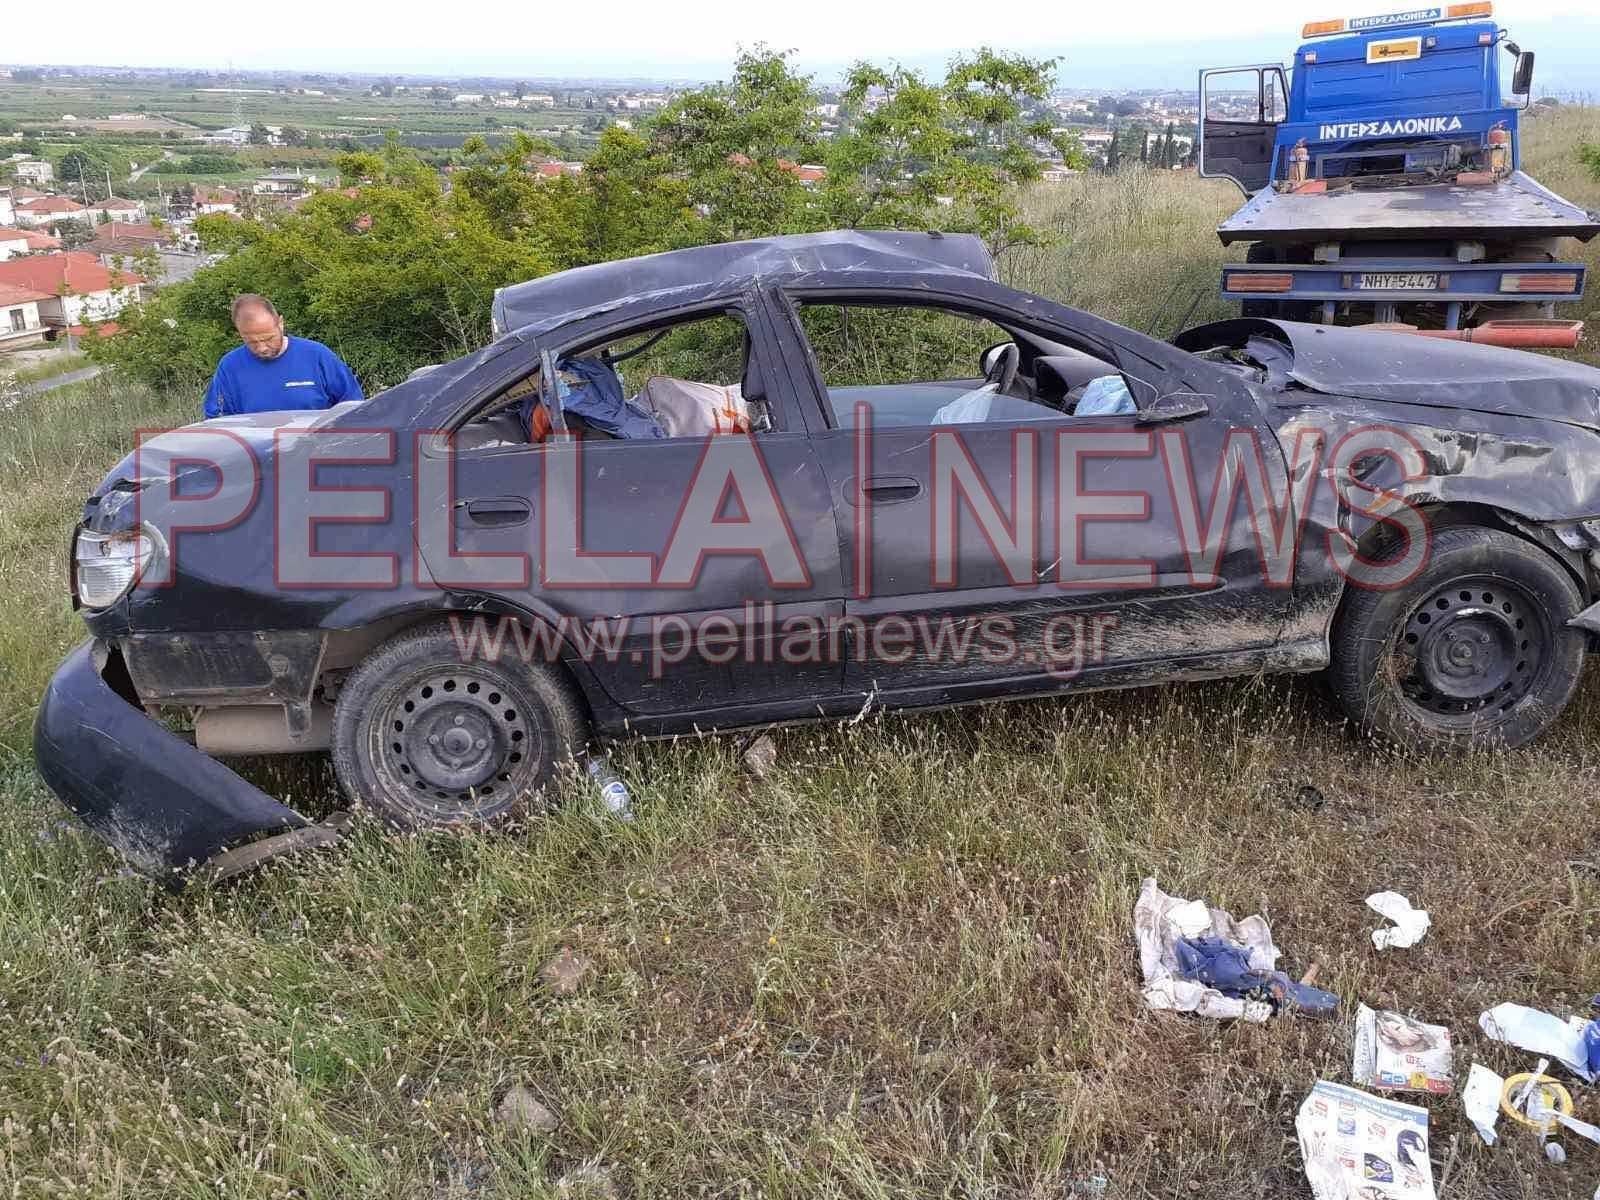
<point x="1390" y="142"/>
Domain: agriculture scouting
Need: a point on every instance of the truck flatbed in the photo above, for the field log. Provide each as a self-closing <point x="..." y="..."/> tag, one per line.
<point x="1515" y="207"/>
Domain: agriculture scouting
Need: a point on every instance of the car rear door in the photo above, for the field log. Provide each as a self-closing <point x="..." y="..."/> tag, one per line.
<point x="1131" y="569"/>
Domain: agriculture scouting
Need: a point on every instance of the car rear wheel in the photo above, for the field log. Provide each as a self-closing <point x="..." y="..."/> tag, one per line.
<point x="432" y="740"/>
<point x="1474" y="652"/>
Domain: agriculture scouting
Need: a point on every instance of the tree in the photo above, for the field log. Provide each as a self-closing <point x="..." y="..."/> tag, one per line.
<point x="1114" y="150"/>
<point x="1144" y="147"/>
<point x="293" y="136"/>
<point x="260" y="135"/>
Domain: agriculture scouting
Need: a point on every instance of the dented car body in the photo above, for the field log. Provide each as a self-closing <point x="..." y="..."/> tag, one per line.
<point x="1422" y="517"/>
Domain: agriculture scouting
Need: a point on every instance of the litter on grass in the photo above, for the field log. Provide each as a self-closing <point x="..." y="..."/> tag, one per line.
<point x="1354" y="1144"/>
<point x="1481" y="1099"/>
<point x="1540" y="1033"/>
<point x="1410" y="924"/>
<point x="1200" y="960"/>
<point x="1395" y="1053"/>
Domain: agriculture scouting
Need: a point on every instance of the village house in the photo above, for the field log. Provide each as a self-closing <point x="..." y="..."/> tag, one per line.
<point x="283" y="183"/>
<point x="35" y="170"/>
<point x="14" y="242"/>
<point x="215" y="200"/>
<point x="46" y="210"/>
<point x="76" y="287"/>
<point x="20" y="322"/>
<point x="8" y="214"/>
<point x="116" y="208"/>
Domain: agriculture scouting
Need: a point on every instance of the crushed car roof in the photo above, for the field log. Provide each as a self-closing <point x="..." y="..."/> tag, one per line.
<point x="716" y="270"/>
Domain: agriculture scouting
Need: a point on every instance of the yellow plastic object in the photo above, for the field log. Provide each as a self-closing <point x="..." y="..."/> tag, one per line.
<point x="1556" y="1097"/>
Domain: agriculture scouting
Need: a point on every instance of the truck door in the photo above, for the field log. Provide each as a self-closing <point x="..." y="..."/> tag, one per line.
<point x="1240" y="111"/>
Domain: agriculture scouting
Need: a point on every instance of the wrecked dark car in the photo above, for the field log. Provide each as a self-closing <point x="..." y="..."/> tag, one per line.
<point x="798" y="478"/>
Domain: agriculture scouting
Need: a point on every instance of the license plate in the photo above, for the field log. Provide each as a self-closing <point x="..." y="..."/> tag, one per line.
<point x="1399" y="281"/>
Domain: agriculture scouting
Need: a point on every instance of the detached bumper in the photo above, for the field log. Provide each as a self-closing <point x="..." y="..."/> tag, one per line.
<point x="165" y="805"/>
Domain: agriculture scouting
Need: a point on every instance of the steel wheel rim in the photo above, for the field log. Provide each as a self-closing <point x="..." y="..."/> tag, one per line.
<point x="457" y="743"/>
<point x="1471" y="650"/>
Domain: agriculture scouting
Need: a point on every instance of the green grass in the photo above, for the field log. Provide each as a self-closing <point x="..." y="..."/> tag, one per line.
<point x="48" y="368"/>
<point x="900" y="966"/>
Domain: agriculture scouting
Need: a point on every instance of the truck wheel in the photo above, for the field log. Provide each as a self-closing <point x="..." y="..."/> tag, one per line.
<point x="1474" y="652"/>
<point x="431" y="740"/>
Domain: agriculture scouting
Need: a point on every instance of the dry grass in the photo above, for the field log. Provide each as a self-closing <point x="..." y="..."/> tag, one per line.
<point x="901" y="966"/>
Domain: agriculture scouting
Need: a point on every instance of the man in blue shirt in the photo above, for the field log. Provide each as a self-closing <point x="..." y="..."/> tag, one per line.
<point x="273" y="371"/>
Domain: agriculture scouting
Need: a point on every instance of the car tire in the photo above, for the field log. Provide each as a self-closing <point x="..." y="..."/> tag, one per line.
<point x="1474" y="652"/>
<point x="431" y="740"/>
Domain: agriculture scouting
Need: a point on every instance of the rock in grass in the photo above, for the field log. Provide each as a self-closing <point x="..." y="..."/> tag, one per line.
<point x="520" y="1112"/>
<point x="564" y="974"/>
<point x="760" y="756"/>
<point x="591" y="1180"/>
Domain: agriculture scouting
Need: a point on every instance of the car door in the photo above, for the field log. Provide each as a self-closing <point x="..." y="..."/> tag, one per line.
<point x="1033" y="548"/>
<point x="677" y="614"/>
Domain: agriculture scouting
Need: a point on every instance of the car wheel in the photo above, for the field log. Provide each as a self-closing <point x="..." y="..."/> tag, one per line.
<point x="1474" y="652"/>
<point x="431" y="740"/>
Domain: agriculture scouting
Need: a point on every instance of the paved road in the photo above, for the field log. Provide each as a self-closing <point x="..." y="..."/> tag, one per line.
<point x="166" y="156"/>
<point x="82" y="375"/>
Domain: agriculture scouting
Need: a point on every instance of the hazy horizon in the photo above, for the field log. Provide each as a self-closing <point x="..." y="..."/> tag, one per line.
<point x="1174" y="41"/>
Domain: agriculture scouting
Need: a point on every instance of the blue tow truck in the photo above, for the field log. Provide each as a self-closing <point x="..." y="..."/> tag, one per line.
<point x="1385" y="183"/>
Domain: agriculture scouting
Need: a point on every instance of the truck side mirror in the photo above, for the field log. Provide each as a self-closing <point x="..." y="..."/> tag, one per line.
<point x="1522" y="76"/>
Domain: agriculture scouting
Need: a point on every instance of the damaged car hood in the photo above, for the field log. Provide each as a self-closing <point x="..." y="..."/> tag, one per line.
<point x="1400" y="368"/>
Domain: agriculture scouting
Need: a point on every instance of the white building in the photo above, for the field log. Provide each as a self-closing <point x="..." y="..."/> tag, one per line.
<point x="8" y="212"/>
<point x="35" y="170"/>
<point x="468" y="98"/>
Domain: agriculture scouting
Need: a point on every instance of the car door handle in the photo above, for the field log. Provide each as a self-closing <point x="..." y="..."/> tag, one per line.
<point x="498" y="510"/>
<point x="882" y="489"/>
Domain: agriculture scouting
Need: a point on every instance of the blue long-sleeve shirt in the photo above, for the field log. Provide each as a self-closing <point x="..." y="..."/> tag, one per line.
<point x="306" y="375"/>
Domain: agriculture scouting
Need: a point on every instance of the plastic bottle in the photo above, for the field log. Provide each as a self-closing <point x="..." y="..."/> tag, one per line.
<point x="613" y="792"/>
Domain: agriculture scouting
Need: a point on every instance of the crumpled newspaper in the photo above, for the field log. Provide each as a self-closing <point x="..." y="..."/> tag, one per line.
<point x="1410" y="924"/>
<point x="1160" y="921"/>
<point x="1357" y="1146"/>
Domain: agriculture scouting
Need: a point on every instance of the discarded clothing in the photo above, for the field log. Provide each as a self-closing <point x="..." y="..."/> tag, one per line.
<point x="589" y="389"/>
<point x="1161" y="922"/>
<point x="1410" y="924"/>
<point x="1540" y="1033"/>
<point x="1395" y="1053"/>
<point x="1227" y="968"/>
<point x="1351" y="1140"/>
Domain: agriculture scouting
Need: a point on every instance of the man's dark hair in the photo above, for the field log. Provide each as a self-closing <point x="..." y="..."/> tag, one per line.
<point x="246" y="300"/>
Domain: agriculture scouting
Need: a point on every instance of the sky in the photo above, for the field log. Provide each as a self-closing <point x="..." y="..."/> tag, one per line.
<point x="1134" y="43"/>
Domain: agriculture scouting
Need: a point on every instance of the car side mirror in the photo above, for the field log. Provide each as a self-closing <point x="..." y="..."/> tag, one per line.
<point x="988" y="359"/>
<point x="1175" y="406"/>
<point x="1522" y="76"/>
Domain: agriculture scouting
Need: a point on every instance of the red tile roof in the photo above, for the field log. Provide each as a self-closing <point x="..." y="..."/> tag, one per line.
<point x="59" y="274"/>
<point x="131" y="230"/>
<point x="118" y="204"/>
<point x="50" y="204"/>
<point x="11" y="293"/>
<point x="34" y="239"/>
<point x="104" y="329"/>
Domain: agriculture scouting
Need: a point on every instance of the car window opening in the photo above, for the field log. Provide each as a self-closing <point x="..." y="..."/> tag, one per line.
<point x="690" y="378"/>
<point x="926" y="365"/>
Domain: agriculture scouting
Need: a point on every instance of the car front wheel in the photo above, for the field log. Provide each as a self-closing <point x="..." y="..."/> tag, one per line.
<point x="430" y="739"/>
<point x="1474" y="652"/>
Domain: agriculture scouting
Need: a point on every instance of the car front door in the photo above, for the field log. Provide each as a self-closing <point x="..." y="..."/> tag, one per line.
<point x="1025" y="548"/>
<point x="686" y="571"/>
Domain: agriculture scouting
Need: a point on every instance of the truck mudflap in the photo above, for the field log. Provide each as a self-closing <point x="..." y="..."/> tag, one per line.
<point x="171" y="810"/>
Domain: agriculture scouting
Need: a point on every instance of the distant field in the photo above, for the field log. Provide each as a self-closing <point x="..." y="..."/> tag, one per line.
<point x="192" y="110"/>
